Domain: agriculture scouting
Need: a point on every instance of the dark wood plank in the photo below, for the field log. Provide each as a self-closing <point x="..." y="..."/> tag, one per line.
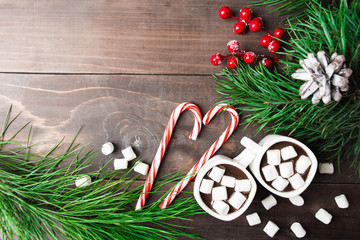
<point x="344" y="225"/>
<point x="126" y="110"/>
<point x="128" y="36"/>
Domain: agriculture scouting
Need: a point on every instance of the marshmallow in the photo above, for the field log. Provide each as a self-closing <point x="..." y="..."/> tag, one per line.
<point x="253" y="219"/>
<point x="219" y="193"/>
<point x="236" y="200"/>
<point x="326" y="168"/>
<point x="296" y="181"/>
<point x="280" y="183"/>
<point x="298" y="230"/>
<point x="271" y="229"/>
<point x="82" y="181"/>
<point x="217" y="173"/>
<point x="206" y="186"/>
<point x="141" y="168"/>
<point x="302" y="164"/>
<point x="221" y="207"/>
<point x="297" y="201"/>
<point x="121" y="163"/>
<point x="228" y="181"/>
<point x="107" y="148"/>
<point x="128" y="153"/>
<point x="342" y="201"/>
<point x="288" y="153"/>
<point x="245" y="158"/>
<point x="286" y="169"/>
<point x="243" y="185"/>
<point x="270" y="172"/>
<point x="269" y="202"/>
<point x="323" y="216"/>
<point x="273" y="157"/>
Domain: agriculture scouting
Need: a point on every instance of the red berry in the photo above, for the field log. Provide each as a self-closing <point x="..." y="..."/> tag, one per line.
<point x="259" y="19"/>
<point x="265" y="40"/>
<point x="267" y="63"/>
<point x="239" y="27"/>
<point x="233" y="46"/>
<point x="249" y="57"/>
<point x="279" y="32"/>
<point x="232" y="62"/>
<point x="255" y="25"/>
<point x="245" y="13"/>
<point x="216" y="59"/>
<point x="224" y="12"/>
<point x="274" y="46"/>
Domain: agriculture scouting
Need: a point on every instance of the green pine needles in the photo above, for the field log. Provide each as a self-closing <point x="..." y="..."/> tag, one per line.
<point x="271" y="98"/>
<point x="38" y="199"/>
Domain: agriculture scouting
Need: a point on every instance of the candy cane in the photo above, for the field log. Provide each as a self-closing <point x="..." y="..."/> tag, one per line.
<point x="164" y="142"/>
<point x="208" y="154"/>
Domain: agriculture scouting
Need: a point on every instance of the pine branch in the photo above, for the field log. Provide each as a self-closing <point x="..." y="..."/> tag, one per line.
<point x="38" y="199"/>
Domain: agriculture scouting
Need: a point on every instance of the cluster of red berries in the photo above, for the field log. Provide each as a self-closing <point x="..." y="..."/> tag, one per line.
<point x="255" y="25"/>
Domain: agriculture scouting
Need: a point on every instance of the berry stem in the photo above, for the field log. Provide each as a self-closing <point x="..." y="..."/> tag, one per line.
<point x="268" y="33"/>
<point x="236" y="18"/>
<point x="274" y="59"/>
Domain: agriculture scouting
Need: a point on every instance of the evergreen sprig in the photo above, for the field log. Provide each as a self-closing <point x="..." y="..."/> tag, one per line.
<point x="271" y="98"/>
<point x="38" y="199"/>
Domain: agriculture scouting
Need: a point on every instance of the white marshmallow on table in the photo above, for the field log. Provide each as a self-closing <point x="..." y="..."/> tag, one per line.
<point x="128" y="153"/>
<point x="219" y="193"/>
<point x="341" y="201"/>
<point x="253" y="219"/>
<point x="221" y="207"/>
<point x="141" y="168"/>
<point x="120" y="163"/>
<point x="273" y="157"/>
<point x="206" y="186"/>
<point x="228" y="181"/>
<point x="217" y="173"/>
<point x="245" y="158"/>
<point x="288" y="153"/>
<point x="286" y="169"/>
<point x="326" y="168"/>
<point x="270" y="172"/>
<point x="82" y="181"/>
<point x="298" y="230"/>
<point x="297" y="201"/>
<point x="280" y="183"/>
<point x="269" y="202"/>
<point x="236" y="200"/>
<point x="296" y="181"/>
<point x="323" y="216"/>
<point x="242" y="185"/>
<point x="107" y="148"/>
<point x="302" y="164"/>
<point x="271" y="229"/>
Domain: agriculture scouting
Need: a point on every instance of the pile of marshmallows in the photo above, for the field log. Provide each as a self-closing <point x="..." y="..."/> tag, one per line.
<point x="119" y="163"/>
<point x="279" y="158"/>
<point x="220" y="200"/>
<point x="322" y="215"/>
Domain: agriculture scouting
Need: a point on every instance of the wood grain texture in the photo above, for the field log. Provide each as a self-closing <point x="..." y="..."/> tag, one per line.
<point x="162" y="37"/>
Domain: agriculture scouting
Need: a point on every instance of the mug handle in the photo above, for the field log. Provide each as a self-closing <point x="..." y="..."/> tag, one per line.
<point x="249" y="153"/>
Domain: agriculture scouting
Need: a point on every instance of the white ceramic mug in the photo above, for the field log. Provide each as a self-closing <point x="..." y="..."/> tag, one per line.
<point x="223" y="160"/>
<point x="258" y="151"/>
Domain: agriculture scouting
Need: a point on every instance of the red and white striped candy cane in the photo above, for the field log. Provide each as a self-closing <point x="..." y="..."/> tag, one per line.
<point x="164" y="142"/>
<point x="208" y="154"/>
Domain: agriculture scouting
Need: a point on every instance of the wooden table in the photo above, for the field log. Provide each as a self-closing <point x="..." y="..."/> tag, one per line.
<point x="118" y="69"/>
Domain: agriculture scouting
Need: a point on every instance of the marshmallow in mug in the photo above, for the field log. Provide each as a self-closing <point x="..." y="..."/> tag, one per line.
<point x="217" y="173"/>
<point x="228" y="181"/>
<point x="236" y="200"/>
<point x="221" y="207"/>
<point x="219" y="193"/>
<point x="242" y="185"/>
<point x="206" y="186"/>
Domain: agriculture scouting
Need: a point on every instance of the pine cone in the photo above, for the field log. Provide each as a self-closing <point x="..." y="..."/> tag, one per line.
<point x="325" y="78"/>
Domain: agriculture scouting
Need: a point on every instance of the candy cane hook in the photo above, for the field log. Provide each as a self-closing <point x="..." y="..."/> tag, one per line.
<point x="208" y="154"/>
<point x="164" y="142"/>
